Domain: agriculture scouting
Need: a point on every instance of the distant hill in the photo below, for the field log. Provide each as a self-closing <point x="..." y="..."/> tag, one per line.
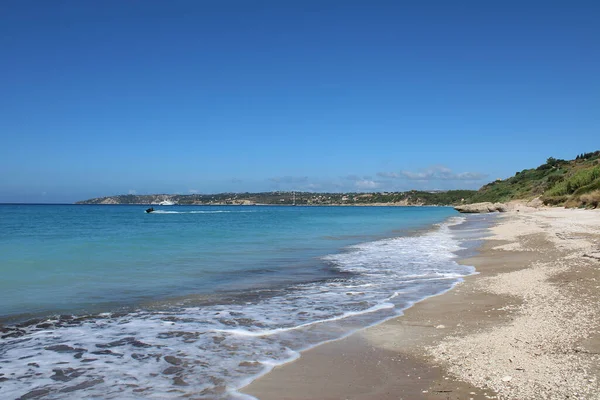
<point x="413" y="197"/>
<point x="572" y="183"/>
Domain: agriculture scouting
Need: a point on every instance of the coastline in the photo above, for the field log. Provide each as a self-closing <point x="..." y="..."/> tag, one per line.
<point x="389" y="204"/>
<point x="157" y="348"/>
<point x="523" y="327"/>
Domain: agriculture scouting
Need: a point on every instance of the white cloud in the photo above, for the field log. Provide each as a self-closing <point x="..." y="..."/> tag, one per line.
<point x="356" y="178"/>
<point x="419" y="176"/>
<point x="289" y="179"/>
<point x="366" y="184"/>
<point x="434" y="173"/>
<point x="314" y="186"/>
<point x="388" y="175"/>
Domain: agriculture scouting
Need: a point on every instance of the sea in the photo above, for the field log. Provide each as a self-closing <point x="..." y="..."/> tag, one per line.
<point x="195" y="302"/>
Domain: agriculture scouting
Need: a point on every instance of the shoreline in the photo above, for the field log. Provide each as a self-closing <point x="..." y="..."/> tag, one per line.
<point x="26" y="319"/>
<point x="396" y="204"/>
<point x="476" y="340"/>
<point x="172" y="339"/>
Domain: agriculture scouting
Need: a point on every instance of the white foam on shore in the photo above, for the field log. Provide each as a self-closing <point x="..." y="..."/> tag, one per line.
<point x="243" y="332"/>
<point x="220" y="348"/>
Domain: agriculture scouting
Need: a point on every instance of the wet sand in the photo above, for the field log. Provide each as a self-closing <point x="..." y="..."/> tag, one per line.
<point x="525" y="327"/>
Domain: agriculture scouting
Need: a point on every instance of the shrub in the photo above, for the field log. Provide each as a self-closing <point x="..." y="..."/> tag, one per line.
<point x="586" y="156"/>
<point x="552" y="179"/>
<point x="591" y="200"/>
<point x="554" y="200"/>
<point x="551" y="161"/>
<point x="543" y="167"/>
<point x="595" y="185"/>
<point x="579" y="179"/>
<point x="573" y="203"/>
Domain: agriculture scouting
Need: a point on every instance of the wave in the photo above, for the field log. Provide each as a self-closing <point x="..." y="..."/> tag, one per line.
<point x="243" y="332"/>
<point x="211" y="351"/>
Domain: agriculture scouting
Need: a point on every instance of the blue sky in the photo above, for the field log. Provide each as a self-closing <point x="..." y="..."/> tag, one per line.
<point x="110" y="97"/>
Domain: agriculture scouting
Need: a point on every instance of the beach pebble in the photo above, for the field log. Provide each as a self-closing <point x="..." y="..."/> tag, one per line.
<point x="179" y="382"/>
<point x="173" y="360"/>
<point x="249" y="364"/>
<point x="440" y="327"/>
<point x="172" y="370"/>
<point x="83" y="385"/>
<point x="506" y="378"/>
<point x="35" y="393"/>
<point x="63" y="348"/>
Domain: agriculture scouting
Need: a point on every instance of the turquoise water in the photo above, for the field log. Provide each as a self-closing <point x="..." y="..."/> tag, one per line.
<point x="111" y="302"/>
<point x="66" y="258"/>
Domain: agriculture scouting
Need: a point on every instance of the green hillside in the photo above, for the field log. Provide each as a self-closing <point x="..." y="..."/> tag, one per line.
<point x="574" y="183"/>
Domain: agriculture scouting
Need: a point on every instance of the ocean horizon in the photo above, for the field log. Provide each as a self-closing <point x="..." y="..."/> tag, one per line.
<point x="108" y="301"/>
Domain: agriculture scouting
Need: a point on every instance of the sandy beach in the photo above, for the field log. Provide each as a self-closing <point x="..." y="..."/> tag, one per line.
<point x="525" y="327"/>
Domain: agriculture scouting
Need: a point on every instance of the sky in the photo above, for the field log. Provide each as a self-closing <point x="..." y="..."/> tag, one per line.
<point x="100" y="98"/>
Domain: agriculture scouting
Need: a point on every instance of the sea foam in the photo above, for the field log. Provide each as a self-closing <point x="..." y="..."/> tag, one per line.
<point x="214" y="350"/>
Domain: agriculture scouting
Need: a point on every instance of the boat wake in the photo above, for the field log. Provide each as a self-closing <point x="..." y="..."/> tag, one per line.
<point x="199" y="212"/>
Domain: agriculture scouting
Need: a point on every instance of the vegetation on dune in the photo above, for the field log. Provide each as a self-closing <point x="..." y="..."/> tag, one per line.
<point x="581" y="181"/>
<point x="557" y="182"/>
<point x="414" y="197"/>
<point x="591" y="200"/>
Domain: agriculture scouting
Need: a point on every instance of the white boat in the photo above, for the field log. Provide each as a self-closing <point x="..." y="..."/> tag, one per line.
<point x="166" y="203"/>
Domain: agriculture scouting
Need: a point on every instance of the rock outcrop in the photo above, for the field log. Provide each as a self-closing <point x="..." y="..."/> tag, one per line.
<point x="481" y="208"/>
